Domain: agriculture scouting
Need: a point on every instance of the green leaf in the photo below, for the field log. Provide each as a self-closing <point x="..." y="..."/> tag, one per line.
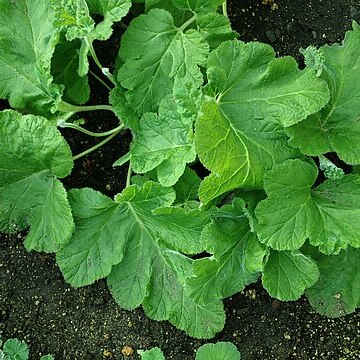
<point x="240" y="134"/>
<point x="152" y="354"/>
<point x="112" y="11"/>
<point x="287" y="274"/>
<point x="164" y="142"/>
<point x="218" y="351"/>
<point x="72" y="17"/>
<point x="329" y="215"/>
<point x="336" y="127"/>
<point x="215" y="28"/>
<point x="27" y="42"/>
<point x="139" y="242"/>
<point x="64" y="68"/>
<point x="16" y="349"/>
<point x="337" y="291"/>
<point x="198" y="6"/>
<point x="237" y="256"/>
<point x="156" y="55"/>
<point x="32" y="154"/>
<point x="47" y="357"/>
<point x="187" y="186"/>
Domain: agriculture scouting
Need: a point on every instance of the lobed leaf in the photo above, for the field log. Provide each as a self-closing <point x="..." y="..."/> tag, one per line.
<point x="237" y="256"/>
<point x="335" y="127"/>
<point x="156" y="54"/>
<point x="32" y="154"/>
<point x="253" y="96"/>
<point x="287" y="274"/>
<point x="218" y="351"/>
<point x="329" y="215"/>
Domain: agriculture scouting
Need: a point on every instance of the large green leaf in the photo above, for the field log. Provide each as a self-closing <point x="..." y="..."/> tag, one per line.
<point x="337" y="291"/>
<point x="336" y="127"/>
<point x="237" y="256"/>
<point x="287" y="274"/>
<point x="27" y="42"/>
<point x="139" y="242"/>
<point x="156" y="54"/>
<point x="329" y="215"/>
<point x="240" y="134"/>
<point x="32" y="154"/>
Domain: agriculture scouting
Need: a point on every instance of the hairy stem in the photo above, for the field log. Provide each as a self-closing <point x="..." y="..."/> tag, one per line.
<point x="88" y="151"/>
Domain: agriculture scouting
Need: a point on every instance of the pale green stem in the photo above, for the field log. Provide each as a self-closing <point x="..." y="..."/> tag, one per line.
<point x="104" y="70"/>
<point x="128" y="177"/>
<point x="187" y="23"/>
<point x="100" y="80"/>
<point x="224" y="9"/>
<point x="88" y="151"/>
<point x="66" y="107"/>
<point x="64" y="124"/>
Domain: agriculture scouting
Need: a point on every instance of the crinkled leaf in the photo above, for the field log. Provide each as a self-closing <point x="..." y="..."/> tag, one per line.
<point x="218" y="351"/>
<point x="27" y="42"/>
<point x="72" y="16"/>
<point x="337" y="291"/>
<point x="287" y="274"/>
<point x="64" y="68"/>
<point x="112" y="11"/>
<point x="16" y="349"/>
<point x="237" y="256"/>
<point x="152" y="354"/>
<point x="240" y="134"/>
<point x="32" y="154"/>
<point x="336" y="127"/>
<point x="157" y="54"/>
<point x="329" y="214"/>
<point x="164" y="142"/>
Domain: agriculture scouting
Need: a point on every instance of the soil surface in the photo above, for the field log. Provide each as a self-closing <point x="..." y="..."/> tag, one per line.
<point x="86" y="324"/>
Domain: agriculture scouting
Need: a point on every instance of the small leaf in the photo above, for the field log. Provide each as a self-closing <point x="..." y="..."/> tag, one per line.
<point x="287" y="274"/>
<point x="152" y="354"/>
<point x="16" y="349"/>
<point x="218" y="351"/>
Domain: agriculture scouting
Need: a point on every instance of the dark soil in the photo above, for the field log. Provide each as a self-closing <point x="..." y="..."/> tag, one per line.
<point x="86" y="324"/>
